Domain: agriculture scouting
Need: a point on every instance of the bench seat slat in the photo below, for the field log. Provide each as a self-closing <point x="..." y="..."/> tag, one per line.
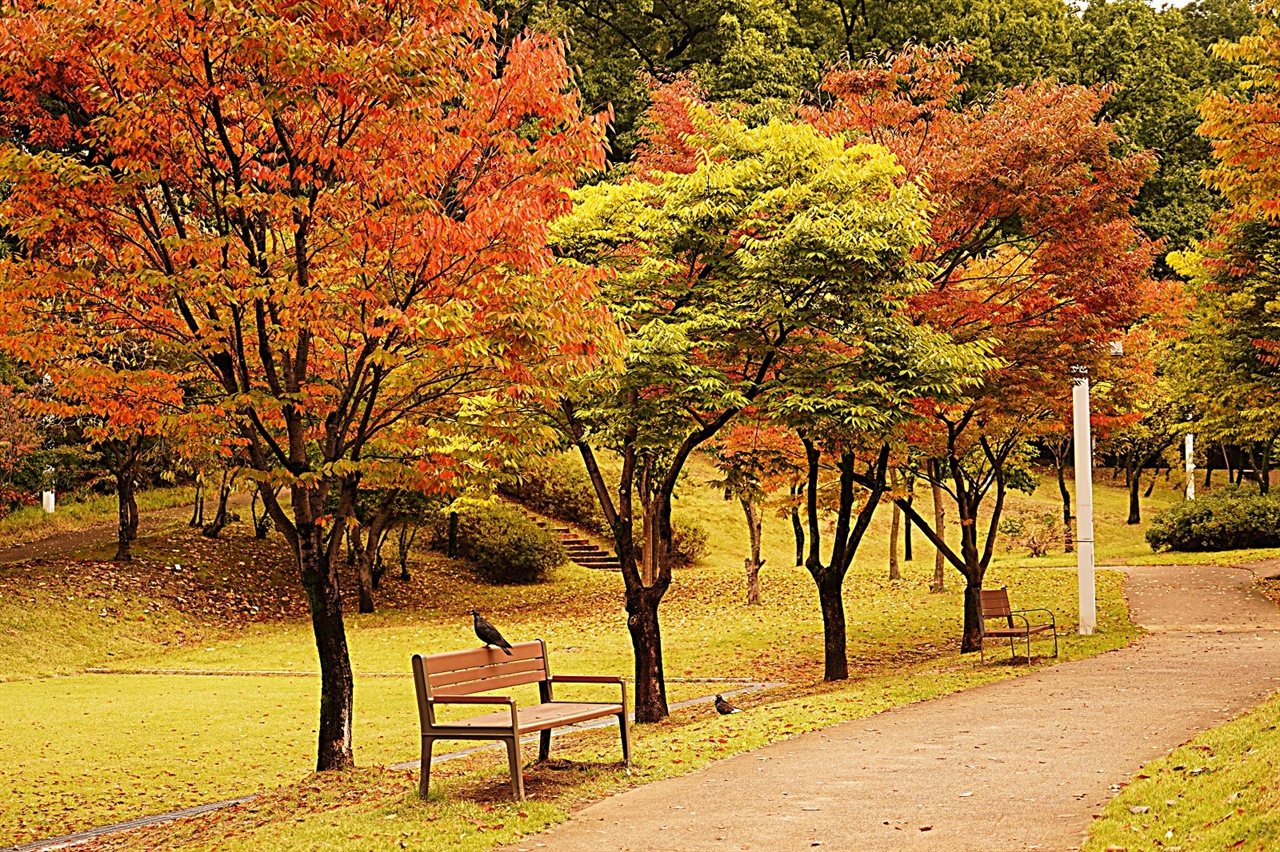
<point x="539" y="716"/>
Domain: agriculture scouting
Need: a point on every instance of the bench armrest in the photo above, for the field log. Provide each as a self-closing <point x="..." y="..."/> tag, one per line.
<point x="480" y="699"/>
<point x="586" y="679"/>
<point x="1052" y="618"/>
<point x="622" y="685"/>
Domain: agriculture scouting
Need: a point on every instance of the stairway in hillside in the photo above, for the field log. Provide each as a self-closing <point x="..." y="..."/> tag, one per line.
<point x="580" y="550"/>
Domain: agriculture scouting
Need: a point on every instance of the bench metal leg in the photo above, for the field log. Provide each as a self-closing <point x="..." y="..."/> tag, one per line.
<point x="517" y="777"/>
<point x="626" y="738"/>
<point x="544" y="746"/>
<point x="425" y="782"/>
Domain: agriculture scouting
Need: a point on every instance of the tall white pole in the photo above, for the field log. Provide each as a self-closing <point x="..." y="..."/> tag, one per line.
<point x="1191" y="466"/>
<point x="1084" y="503"/>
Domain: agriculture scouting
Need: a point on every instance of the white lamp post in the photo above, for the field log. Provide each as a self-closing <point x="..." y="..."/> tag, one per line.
<point x="1191" y="466"/>
<point x="1084" y="501"/>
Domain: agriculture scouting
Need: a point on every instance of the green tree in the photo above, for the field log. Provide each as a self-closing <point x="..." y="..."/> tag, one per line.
<point x="747" y="247"/>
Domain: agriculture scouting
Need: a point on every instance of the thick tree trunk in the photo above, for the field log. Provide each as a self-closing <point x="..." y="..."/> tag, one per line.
<point x="939" y="583"/>
<point x="835" y="655"/>
<point x="971" y="641"/>
<point x="320" y="581"/>
<point x="753" y="562"/>
<point x="127" y="507"/>
<point x="646" y="642"/>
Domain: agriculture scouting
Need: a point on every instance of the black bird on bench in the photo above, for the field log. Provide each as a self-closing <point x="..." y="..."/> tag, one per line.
<point x="724" y="708"/>
<point x="489" y="634"/>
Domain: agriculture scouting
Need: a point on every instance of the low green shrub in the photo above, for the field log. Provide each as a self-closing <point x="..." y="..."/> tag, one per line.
<point x="504" y="545"/>
<point x="558" y="487"/>
<point x="688" y="543"/>
<point x="1225" y="520"/>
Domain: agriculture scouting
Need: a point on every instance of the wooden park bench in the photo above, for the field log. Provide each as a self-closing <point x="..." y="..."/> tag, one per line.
<point x="457" y="677"/>
<point x="995" y="604"/>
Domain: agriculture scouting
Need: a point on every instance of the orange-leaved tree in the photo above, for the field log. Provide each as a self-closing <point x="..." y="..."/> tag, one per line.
<point x="1033" y="248"/>
<point x="336" y="209"/>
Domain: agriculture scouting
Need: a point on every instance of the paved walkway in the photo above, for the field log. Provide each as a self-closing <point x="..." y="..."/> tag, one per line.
<point x="1021" y="764"/>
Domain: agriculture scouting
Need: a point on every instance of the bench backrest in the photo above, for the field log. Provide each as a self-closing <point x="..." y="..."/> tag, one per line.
<point x="995" y="604"/>
<point x="479" y="670"/>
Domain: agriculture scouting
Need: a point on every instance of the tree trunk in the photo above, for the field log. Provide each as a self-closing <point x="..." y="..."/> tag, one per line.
<point x="753" y="562"/>
<point x="895" y="527"/>
<point x="646" y="642"/>
<point x="127" y="460"/>
<point x="971" y="641"/>
<point x="835" y="656"/>
<point x="798" y="529"/>
<point x="127" y="506"/>
<point x="320" y="581"/>
<point x="939" y="583"/>
<point x="452" y="547"/>
<point x="1060" y="463"/>
<point x="906" y="532"/>
<point x="197" y="509"/>
<point x="1209" y="459"/>
<point x="404" y="543"/>
<point x="220" y="517"/>
<point x="1134" y="478"/>
<point x="356" y="555"/>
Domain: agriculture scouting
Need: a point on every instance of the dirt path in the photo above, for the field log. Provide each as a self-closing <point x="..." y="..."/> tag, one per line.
<point x="1021" y="764"/>
<point x="100" y="535"/>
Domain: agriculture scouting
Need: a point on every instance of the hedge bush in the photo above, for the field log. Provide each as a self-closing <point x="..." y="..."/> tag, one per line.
<point x="560" y="488"/>
<point x="1227" y="520"/>
<point x="688" y="543"/>
<point x="505" y="545"/>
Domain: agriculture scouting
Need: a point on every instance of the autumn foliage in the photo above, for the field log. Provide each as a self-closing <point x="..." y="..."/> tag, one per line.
<point x="334" y="211"/>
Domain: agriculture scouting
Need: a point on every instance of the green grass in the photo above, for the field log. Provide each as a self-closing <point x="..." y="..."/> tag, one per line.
<point x="1219" y="791"/>
<point x="178" y="740"/>
<point x="32" y="523"/>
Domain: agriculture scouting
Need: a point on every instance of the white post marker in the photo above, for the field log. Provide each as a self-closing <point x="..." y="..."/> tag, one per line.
<point x="48" y="502"/>
<point x="1084" y="502"/>
<point x="1191" y="466"/>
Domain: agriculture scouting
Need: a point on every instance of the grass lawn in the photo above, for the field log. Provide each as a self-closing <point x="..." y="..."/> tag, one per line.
<point x="31" y="523"/>
<point x="232" y="607"/>
<point x="1219" y="791"/>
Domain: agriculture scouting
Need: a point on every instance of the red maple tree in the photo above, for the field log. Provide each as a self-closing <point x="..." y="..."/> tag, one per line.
<point x="335" y="210"/>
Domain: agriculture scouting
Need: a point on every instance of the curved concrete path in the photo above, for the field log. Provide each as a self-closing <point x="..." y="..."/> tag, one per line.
<point x="1021" y="764"/>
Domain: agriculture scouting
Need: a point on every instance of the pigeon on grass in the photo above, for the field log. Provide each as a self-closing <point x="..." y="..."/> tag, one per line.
<point x="724" y="708"/>
<point x="489" y="634"/>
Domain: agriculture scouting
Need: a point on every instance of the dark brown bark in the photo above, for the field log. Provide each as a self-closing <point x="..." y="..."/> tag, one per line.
<point x="797" y="530"/>
<point x="847" y="536"/>
<point x="451" y="548"/>
<point x="646" y="641"/>
<point x="220" y="517"/>
<point x="320" y="581"/>
<point x="127" y="456"/>
<point x="356" y="556"/>
<point x="972" y="639"/>
<point x="835" y="657"/>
